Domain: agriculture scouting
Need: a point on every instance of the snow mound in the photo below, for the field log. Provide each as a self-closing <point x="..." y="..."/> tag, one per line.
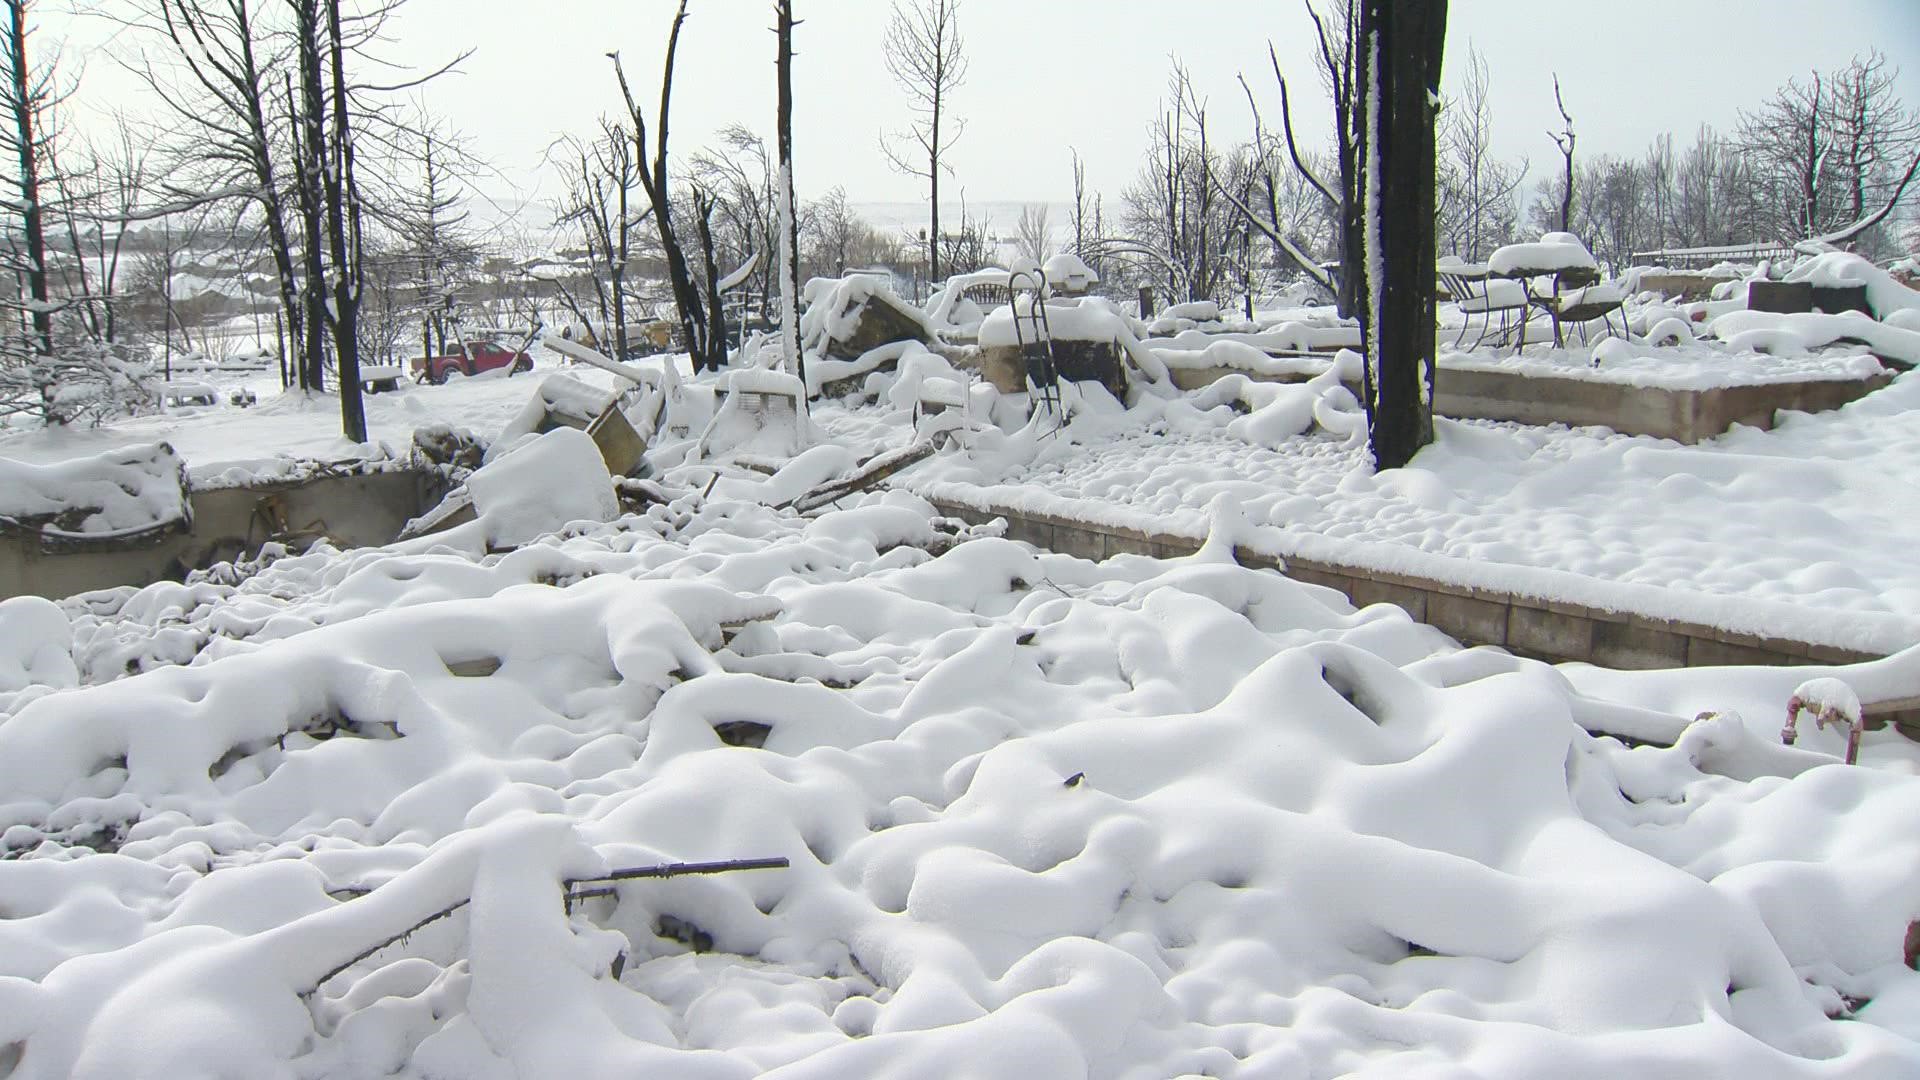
<point x="1841" y="269"/>
<point x="35" y="645"/>
<point x="834" y="307"/>
<point x="1141" y="818"/>
<point x="541" y="485"/>
<point x="1773" y="332"/>
<point x="119" y="492"/>
<point x="1065" y="271"/>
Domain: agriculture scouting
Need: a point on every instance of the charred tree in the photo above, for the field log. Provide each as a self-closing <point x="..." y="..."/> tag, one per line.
<point x="1563" y="139"/>
<point x="28" y="97"/>
<point x="1399" y="106"/>
<point x="344" y="240"/>
<point x="789" y="216"/>
<point x="703" y="327"/>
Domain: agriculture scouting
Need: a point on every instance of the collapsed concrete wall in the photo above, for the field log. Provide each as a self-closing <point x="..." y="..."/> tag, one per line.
<point x="348" y="509"/>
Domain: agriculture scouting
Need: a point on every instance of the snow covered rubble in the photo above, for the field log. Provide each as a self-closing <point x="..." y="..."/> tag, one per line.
<point x="118" y="493"/>
<point x="1044" y="816"/>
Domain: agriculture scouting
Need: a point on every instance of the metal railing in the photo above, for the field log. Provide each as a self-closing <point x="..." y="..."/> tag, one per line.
<point x="1699" y="258"/>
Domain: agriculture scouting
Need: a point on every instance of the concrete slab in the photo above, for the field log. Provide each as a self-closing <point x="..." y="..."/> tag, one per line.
<point x="1629" y="646"/>
<point x="1546" y="629"/>
<point x="1549" y="635"/>
<point x="350" y="510"/>
<point x="1475" y="622"/>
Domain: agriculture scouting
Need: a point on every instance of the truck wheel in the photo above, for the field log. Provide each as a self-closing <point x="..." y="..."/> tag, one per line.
<point x="524" y="364"/>
<point x="437" y="375"/>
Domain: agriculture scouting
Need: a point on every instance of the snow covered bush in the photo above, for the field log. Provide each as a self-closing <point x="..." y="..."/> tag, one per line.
<point x="79" y="381"/>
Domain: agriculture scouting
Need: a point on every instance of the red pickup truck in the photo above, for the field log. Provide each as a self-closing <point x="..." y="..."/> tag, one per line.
<point x="478" y="356"/>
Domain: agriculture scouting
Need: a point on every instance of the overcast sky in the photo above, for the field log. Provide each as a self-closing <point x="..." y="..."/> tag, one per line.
<point x="1046" y="75"/>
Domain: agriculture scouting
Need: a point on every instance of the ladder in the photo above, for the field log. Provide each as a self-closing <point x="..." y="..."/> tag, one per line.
<point x="1036" y="343"/>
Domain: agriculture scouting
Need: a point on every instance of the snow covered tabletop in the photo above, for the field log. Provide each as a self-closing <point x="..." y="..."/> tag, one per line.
<point x="1552" y="253"/>
<point x="1043" y="817"/>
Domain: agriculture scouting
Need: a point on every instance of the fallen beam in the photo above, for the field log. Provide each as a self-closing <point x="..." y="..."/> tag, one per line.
<point x="867" y="476"/>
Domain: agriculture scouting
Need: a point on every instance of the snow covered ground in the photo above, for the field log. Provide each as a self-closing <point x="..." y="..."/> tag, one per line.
<point x="315" y="815"/>
<point x="1044" y="817"/>
<point x="1819" y="514"/>
<point x="224" y="439"/>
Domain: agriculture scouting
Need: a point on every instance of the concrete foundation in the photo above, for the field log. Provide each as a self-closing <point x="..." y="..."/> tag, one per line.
<point x="1687" y="416"/>
<point x="349" y="510"/>
<point x="1530" y="626"/>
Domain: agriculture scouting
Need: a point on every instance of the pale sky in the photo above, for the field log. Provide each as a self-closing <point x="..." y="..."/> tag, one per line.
<point x="1049" y="74"/>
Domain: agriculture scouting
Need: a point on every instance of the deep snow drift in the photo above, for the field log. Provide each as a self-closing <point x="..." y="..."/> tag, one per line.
<point x="1045" y="818"/>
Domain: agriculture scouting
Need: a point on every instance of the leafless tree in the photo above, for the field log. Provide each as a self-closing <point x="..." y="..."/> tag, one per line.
<point x="601" y="204"/>
<point x="1563" y="140"/>
<point x="225" y="93"/>
<point x="789" y="211"/>
<point x="433" y="245"/>
<point x="1786" y="133"/>
<point x="1082" y="207"/>
<point x="1033" y="233"/>
<point x="1343" y="73"/>
<point x="742" y="177"/>
<point x="927" y="58"/>
<point x="836" y="238"/>
<point x="1174" y="215"/>
<point x="969" y="247"/>
<point x="1873" y="132"/>
<point x="835" y="230"/>
<point x="702" y="322"/>
<point x="1406" y="38"/>
<point x="1478" y="193"/>
<point x="29" y="96"/>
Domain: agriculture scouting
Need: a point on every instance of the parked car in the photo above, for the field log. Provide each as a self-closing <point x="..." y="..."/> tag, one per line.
<point x="189" y="395"/>
<point x="478" y="356"/>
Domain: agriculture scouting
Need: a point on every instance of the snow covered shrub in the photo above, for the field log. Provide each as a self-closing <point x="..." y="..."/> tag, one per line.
<point x="78" y="381"/>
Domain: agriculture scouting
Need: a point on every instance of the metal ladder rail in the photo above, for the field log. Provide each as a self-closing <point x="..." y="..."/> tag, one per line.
<point x="1046" y="381"/>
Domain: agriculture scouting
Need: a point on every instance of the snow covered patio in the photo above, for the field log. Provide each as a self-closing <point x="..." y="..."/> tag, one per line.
<point x="1805" y="531"/>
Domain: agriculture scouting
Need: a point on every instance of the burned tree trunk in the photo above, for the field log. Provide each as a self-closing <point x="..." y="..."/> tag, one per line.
<point x="307" y="147"/>
<point x="26" y="100"/>
<point x="1402" y="42"/>
<point x="344" y="237"/>
<point x="703" y="327"/>
<point x="789" y="269"/>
